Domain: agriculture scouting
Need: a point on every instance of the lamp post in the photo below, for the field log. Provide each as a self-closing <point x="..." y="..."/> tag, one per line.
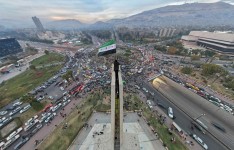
<point x="200" y="116"/>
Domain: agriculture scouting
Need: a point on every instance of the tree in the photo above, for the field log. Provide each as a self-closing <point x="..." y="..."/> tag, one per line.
<point x="33" y="67"/>
<point x="68" y="75"/>
<point x="208" y="53"/>
<point x="212" y="69"/>
<point x="172" y="50"/>
<point x="46" y="52"/>
<point x="187" y="70"/>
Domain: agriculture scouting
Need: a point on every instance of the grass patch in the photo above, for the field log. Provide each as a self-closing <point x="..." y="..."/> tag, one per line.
<point x="102" y="107"/>
<point x="48" y="59"/>
<point x="24" y="82"/>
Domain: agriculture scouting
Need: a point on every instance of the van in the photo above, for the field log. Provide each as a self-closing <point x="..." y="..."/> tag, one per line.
<point x="170" y="112"/>
<point x="137" y="87"/>
<point x="149" y="104"/>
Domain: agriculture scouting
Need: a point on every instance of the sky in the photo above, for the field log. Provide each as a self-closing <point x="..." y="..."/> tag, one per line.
<point x="87" y="11"/>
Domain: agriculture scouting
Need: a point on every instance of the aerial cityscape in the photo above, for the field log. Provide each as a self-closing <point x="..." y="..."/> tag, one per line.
<point x="117" y="75"/>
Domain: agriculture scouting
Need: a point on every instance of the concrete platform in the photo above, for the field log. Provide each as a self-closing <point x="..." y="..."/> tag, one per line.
<point x="137" y="135"/>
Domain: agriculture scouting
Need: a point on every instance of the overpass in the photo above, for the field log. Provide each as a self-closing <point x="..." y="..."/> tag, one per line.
<point x="157" y="75"/>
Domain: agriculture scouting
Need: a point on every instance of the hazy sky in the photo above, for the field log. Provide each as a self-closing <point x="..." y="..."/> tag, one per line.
<point x="87" y="11"/>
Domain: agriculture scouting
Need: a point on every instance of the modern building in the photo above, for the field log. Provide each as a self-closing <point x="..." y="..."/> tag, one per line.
<point x="166" y="32"/>
<point x="217" y="41"/>
<point x="9" y="46"/>
<point x="38" y="24"/>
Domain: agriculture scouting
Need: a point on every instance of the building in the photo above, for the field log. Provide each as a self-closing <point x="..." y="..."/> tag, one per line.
<point x="217" y="41"/>
<point x="167" y="32"/>
<point x="9" y="46"/>
<point x="38" y="24"/>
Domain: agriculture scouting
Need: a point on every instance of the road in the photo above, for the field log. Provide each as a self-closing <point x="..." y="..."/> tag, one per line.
<point x="16" y="71"/>
<point x="193" y="105"/>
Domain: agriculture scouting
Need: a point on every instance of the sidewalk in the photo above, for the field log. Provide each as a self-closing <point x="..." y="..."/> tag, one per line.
<point x="169" y="122"/>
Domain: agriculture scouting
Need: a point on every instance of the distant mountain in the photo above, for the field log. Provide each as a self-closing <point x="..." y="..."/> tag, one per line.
<point x="193" y="14"/>
<point x="100" y="25"/>
<point x="64" y="24"/>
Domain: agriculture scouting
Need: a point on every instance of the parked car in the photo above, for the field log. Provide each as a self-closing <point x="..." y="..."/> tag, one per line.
<point x="2" y="113"/>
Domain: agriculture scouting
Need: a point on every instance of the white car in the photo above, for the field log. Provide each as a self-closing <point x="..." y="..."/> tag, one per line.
<point x="199" y="140"/>
<point x="2" y="113"/>
<point x="145" y="90"/>
<point x="17" y="103"/>
<point x="170" y="113"/>
<point x="61" y="88"/>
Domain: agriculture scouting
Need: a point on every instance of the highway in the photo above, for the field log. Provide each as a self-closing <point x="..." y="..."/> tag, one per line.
<point x="187" y="105"/>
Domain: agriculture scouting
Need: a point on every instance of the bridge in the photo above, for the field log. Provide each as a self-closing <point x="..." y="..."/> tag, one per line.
<point x="157" y="75"/>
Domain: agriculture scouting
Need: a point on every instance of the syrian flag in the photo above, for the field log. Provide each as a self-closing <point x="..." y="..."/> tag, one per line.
<point x="107" y="48"/>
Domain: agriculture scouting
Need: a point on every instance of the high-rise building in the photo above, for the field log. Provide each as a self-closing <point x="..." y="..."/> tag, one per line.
<point x="38" y="24"/>
<point x="9" y="46"/>
<point x="167" y="32"/>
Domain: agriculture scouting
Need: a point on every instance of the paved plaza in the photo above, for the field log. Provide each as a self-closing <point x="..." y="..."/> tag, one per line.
<point x="97" y="135"/>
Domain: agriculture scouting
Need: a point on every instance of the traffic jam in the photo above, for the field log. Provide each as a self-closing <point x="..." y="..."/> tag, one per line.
<point x="87" y="79"/>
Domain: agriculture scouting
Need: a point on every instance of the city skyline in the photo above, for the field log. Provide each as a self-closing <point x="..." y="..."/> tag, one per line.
<point x="87" y="11"/>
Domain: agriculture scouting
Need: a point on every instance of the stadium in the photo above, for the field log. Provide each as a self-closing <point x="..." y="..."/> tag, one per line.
<point x="217" y="41"/>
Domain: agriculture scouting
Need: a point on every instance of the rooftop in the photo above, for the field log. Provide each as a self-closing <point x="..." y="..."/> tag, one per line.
<point x="228" y="37"/>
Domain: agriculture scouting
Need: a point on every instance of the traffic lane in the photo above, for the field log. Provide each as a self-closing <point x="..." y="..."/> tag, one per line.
<point x="181" y="93"/>
<point x="185" y="122"/>
<point x="193" y="103"/>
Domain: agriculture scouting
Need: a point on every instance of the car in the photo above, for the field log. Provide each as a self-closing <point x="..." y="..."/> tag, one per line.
<point x="21" y="143"/>
<point x="215" y="99"/>
<point x="25" y="108"/>
<point x="199" y="140"/>
<point x="144" y="89"/>
<point x="215" y="103"/>
<point x="149" y="104"/>
<point x="2" y="113"/>
<point x="51" y="97"/>
<point x="152" y="93"/>
<point x="10" y="108"/>
<point x="198" y="127"/>
<point x="3" y="118"/>
<point x="61" y="88"/>
<point x="137" y="87"/>
<point x="161" y="105"/>
<point x="170" y="113"/>
<point x="17" y="103"/>
<point x="218" y="126"/>
<point x="15" y="111"/>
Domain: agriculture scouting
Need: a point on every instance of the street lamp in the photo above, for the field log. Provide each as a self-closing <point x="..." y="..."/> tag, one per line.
<point x="200" y="116"/>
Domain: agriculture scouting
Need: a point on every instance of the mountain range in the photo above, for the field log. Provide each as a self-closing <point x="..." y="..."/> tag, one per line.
<point x="189" y="14"/>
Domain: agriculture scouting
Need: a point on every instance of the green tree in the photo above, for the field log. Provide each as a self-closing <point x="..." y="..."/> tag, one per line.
<point x="212" y="69"/>
<point x="68" y="75"/>
<point x="187" y="70"/>
<point x="33" y="67"/>
<point x="46" y="52"/>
